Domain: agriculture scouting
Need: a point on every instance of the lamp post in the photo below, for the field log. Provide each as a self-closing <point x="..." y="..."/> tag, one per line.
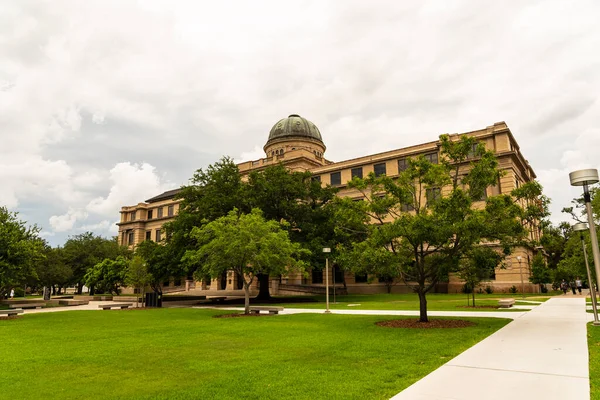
<point x="327" y="250"/>
<point x="521" y="272"/>
<point x="586" y="177"/>
<point x="581" y="227"/>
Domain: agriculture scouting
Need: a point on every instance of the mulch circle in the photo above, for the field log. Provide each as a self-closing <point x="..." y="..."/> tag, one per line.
<point x="494" y="307"/>
<point x="9" y="317"/>
<point x="433" y="323"/>
<point x="240" y="315"/>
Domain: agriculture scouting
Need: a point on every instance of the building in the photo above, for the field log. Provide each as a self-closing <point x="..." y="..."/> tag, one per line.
<point x="298" y="144"/>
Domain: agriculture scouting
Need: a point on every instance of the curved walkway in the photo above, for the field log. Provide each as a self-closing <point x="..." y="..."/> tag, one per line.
<point x="541" y="355"/>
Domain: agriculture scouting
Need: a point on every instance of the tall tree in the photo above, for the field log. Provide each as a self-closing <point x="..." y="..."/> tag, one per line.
<point x="137" y="275"/>
<point x="246" y="244"/>
<point x="52" y="271"/>
<point x="160" y="263"/>
<point x="423" y="223"/>
<point x="20" y="249"/>
<point x="108" y="275"/>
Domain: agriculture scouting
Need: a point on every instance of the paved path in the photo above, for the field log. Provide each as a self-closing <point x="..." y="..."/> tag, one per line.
<point x="542" y="354"/>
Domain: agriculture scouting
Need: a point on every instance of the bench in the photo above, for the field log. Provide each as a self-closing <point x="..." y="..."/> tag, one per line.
<point x="115" y="305"/>
<point x="11" y="312"/>
<point x="27" y="305"/>
<point x="270" y="309"/>
<point x="506" y="303"/>
<point x="217" y="299"/>
<point x="69" y="302"/>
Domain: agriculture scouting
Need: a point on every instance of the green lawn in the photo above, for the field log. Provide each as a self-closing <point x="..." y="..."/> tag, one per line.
<point x="594" y="349"/>
<point x="187" y="354"/>
<point x="435" y="302"/>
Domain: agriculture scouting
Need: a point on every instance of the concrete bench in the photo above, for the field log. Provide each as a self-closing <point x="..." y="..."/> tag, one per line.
<point x="270" y="309"/>
<point x="506" y="303"/>
<point x="27" y="305"/>
<point x="11" y="312"/>
<point x="115" y="305"/>
<point x="217" y="299"/>
<point x="69" y="302"/>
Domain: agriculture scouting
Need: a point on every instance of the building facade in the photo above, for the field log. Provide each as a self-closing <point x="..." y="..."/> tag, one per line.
<point x="297" y="143"/>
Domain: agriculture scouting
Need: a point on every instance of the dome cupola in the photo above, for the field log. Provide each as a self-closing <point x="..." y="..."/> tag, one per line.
<point x="294" y="132"/>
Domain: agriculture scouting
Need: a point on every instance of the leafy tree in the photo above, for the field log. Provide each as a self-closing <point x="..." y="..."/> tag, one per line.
<point x="478" y="265"/>
<point x="108" y="275"/>
<point x="554" y="240"/>
<point x="137" y="275"/>
<point x="246" y="244"/>
<point x="423" y="223"/>
<point x="20" y="250"/>
<point x="540" y="273"/>
<point x="52" y="271"/>
<point x="82" y="252"/>
<point x="160" y="263"/>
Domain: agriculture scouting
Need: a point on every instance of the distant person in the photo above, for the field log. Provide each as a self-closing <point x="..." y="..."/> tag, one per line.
<point x="579" y="284"/>
<point x="12" y="293"/>
<point x="573" y="287"/>
<point x="564" y="286"/>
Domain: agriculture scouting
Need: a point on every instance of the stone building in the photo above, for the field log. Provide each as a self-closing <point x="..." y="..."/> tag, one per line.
<point x="297" y="143"/>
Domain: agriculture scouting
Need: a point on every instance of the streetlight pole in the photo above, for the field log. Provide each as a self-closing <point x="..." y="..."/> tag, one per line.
<point x="327" y="250"/>
<point x="586" y="177"/>
<point x="581" y="227"/>
<point x="521" y="272"/>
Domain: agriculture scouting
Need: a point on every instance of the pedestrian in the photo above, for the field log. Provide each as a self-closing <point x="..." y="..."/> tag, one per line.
<point x="579" y="284"/>
<point x="564" y="286"/>
<point x="573" y="287"/>
<point x="12" y="293"/>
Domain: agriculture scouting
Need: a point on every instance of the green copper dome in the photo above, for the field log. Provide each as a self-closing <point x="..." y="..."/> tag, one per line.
<point x="294" y="126"/>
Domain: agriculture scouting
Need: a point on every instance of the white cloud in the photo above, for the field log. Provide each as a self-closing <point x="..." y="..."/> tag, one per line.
<point x="65" y="222"/>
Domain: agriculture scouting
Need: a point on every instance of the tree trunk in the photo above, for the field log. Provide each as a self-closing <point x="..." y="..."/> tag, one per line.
<point x="473" y="297"/>
<point x="79" y="288"/>
<point x="263" y="283"/>
<point x="422" y="307"/>
<point x="246" y="298"/>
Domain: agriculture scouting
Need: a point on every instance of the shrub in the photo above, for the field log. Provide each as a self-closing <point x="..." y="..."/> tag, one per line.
<point x="489" y="289"/>
<point x="544" y="289"/>
<point x="513" y="289"/>
<point x="466" y="289"/>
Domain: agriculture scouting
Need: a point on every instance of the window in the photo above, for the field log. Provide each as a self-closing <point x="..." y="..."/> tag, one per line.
<point x="482" y="197"/>
<point x="130" y="238"/>
<point x="150" y="214"/>
<point x="407" y="207"/>
<point x="338" y="274"/>
<point x="148" y="235"/>
<point x="361" y="278"/>
<point x="336" y="178"/>
<point x="432" y="158"/>
<point x="379" y="169"/>
<point x="317" y="276"/>
<point x="316" y="178"/>
<point x="516" y="183"/>
<point x="159" y="212"/>
<point x="473" y="150"/>
<point x="402" y="164"/>
<point x="170" y="210"/>
<point x="157" y="233"/>
<point x="132" y="216"/>
<point x="357" y="172"/>
<point x="432" y="194"/>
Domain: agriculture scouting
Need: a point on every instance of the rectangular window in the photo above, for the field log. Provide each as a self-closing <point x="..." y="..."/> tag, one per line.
<point x="379" y="169"/>
<point x="130" y="238"/>
<point x="158" y="236"/>
<point x="402" y="164"/>
<point x="361" y="278"/>
<point x="150" y="214"/>
<point x="432" y="194"/>
<point x="356" y="172"/>
<point x="132" y="216"/>
<point x="159" y="212"/>
<point x="473" y="150"/>
<point x="432" y="158"/>
<point x="317" y="276"/>
<point x="407" y="207"/>
<point x="316" y="178"/>
<point x="170" y="210"/>
<point x="148" y="235"/>
<point x="336" y="178"/>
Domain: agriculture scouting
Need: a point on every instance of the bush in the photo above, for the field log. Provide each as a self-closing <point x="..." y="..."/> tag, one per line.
<point x="513" y="289"/>
<point x="466" y="289"/>
<point x="489" y="289"/>
<point x="544" y="289"/>
<point x="19" y="292"/>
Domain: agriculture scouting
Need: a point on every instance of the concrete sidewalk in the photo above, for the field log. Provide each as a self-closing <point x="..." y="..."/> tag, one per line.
<point x="540" y="355"/>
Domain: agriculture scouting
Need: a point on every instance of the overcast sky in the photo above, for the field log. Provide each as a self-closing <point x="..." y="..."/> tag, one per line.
<point x="108" y="103"/>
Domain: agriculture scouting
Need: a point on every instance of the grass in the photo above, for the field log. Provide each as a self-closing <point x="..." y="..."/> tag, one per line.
<point x="594" y="349"/>
<point x="187" y="354"/>
<point x="435" y="302"/>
